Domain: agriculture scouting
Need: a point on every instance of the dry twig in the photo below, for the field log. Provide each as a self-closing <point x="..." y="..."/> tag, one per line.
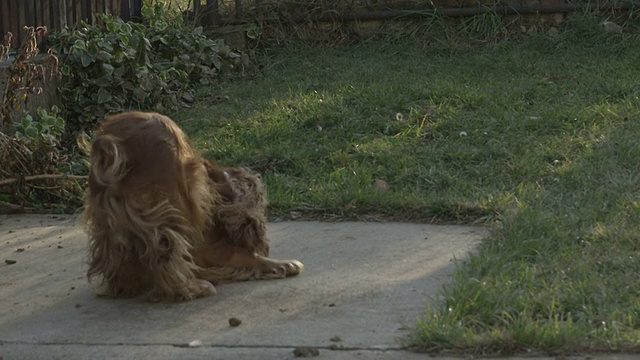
<point x="44" y="176"/>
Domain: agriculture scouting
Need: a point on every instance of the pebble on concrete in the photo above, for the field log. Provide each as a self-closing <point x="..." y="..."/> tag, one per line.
<point x="235" y="322"/>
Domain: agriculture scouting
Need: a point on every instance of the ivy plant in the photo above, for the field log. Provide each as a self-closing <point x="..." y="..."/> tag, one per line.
<point x="47" y="126"/>
<point x="117" y="65"/>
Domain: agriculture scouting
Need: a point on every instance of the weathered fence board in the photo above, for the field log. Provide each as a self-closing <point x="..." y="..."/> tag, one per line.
<point x="56" y="14"/>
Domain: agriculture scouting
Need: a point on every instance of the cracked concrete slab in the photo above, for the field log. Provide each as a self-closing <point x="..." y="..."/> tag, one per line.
<point x="364" y="284"/>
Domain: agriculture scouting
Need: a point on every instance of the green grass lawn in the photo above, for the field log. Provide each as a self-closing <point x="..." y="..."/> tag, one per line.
<point x="538" y="137"/>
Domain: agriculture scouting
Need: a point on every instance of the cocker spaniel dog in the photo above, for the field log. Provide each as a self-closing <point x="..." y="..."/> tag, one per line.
<point x="164" y="222"/>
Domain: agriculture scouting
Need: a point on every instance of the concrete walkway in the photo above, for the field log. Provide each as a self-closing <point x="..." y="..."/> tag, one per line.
<point x="364" y="284"/>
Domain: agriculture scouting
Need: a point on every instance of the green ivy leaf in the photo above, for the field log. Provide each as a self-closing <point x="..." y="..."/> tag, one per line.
<point x="60" y="123"/>
<point x="49" y="120"/>
<point x="120" y="72"/>
<point x="104" y="96"/>
<point x="103" y="55"/>
<point x="139" y="95"/>
<point x="26" y="121"/>
<point x="108" y="68"/>
<point x="86" y="60"/>
<point x="31" y="132"/>
<point x="104" y="81"/>
<point x="126" y="29"/>
<point x="79" y="45"/>
<point x="113" y="26"/>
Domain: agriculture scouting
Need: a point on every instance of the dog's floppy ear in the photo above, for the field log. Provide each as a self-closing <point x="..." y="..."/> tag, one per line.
<point x="220" y="182"/>
<point x="215" y="172"/>
<point x="108" y="160"/>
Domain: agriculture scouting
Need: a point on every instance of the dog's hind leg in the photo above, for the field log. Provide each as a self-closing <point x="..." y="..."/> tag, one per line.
<point x="236" y="249"/>
<point x="267" y="268"/>
<point x="228" y="264"/>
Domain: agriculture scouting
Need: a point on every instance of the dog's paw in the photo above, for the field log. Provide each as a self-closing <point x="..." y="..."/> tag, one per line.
<point x="287" y="268"/>
<point x="294" y="267"/>
<point x="204" y="288"/>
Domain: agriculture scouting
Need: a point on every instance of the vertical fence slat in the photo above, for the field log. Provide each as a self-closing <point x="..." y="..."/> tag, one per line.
<point x="62" y="14"/>
<point x="77" y="13"/>
<point x="51" y="17"/>
<point x="5" y="10"/>
<point x="21" y="21"/>
<point x="68" y="4"/>
<point x="43" y="12"/>
<point x="38" y="14"/>
<point x="29" y="13"/>
<point x="71" y="18"/>
<point x="137" y="9"/>
<point x="125" y="11"/>
<point x="13" y="23"/>
<point x="90" y="11"/>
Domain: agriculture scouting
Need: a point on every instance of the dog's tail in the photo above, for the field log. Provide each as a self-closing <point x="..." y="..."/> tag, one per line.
<point x="108" y="161"/>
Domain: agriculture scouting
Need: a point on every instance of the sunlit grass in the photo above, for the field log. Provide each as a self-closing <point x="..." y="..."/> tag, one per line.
<point x="537" y="136"/>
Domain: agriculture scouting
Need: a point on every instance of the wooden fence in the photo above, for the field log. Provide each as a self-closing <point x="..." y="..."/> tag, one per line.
<point x="58" y="14"/>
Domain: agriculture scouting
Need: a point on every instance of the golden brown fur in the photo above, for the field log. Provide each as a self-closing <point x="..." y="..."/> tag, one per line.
<point x="162" y="220"/>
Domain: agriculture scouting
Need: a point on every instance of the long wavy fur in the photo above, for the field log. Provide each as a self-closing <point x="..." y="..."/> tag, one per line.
<point x="163" y="221"/>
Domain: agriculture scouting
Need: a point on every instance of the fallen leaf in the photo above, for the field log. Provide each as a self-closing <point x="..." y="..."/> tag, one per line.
<point x="380" y="185"/>
<point x="612" y="27"/>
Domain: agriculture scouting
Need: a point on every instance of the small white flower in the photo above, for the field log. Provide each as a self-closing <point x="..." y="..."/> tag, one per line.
<point x="399" y="117"/>
<point x="463" y="133"/>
